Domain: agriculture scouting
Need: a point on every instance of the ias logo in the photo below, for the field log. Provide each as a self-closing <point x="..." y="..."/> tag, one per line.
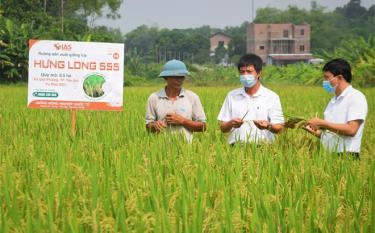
<point x="63" y="47"/>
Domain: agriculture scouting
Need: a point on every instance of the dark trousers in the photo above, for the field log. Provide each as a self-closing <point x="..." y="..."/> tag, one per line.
<point x="354" y="155"/>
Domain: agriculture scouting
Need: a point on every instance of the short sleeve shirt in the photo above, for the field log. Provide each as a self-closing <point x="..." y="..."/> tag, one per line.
<point x="187" y="105"/>
<point x="263" y="105"/>
<point x="349" y="106"/>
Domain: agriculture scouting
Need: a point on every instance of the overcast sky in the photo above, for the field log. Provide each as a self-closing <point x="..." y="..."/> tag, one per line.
<point x="195" y="13"/>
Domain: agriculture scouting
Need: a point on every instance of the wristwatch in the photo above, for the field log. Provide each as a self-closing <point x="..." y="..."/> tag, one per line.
<point x="269" y="127"/>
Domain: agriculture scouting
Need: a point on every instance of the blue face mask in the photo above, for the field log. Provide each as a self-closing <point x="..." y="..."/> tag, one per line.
<point x="247" y="80"/>
<point x="328" y="87"/>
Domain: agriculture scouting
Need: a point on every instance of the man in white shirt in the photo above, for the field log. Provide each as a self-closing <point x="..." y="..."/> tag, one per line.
<point x="341" y="129"/>
<point x="251" y="113"/>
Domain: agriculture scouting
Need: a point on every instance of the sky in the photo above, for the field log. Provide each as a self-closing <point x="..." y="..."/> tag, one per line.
<point x="195" y="13"/>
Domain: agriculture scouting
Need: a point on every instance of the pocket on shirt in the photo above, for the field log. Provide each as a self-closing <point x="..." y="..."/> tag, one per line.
<point x="185" y="110"/>
<point x="238" y="112"/>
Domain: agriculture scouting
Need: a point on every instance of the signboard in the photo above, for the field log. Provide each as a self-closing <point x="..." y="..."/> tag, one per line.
<point x="75" y="75"/>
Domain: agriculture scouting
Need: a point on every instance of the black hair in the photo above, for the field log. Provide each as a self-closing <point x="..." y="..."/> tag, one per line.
<point x="250" y="59"/>
<point x="339" y="66"/>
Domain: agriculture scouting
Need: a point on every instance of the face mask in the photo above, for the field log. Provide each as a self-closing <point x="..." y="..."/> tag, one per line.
<point x="328" y="87"/>
<point x="248" y="80"/>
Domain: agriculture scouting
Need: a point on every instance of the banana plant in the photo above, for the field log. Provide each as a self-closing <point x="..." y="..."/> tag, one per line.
<point x="14" y="49"/>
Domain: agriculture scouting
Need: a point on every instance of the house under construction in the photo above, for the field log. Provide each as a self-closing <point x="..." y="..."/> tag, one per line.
<point x="279" y="44"/>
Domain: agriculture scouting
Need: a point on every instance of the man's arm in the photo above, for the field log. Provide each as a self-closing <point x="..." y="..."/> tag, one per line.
<point x="155" y="126"/>
<point x="199" y="117"/>
<point x="348" y="129"/>
<point x="263" y="124"/>
<point x="316" y="132"/>
<point x="226" y="126"/>
<point x="193" y="126"/>
<point x="276" y="128"/>
<point x="225" y="117"/>
<point x="275" y="124"/>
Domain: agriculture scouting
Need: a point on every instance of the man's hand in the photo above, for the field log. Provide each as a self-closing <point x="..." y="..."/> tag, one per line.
<point x="316" y="123"/>
<point x="347" y="129"/>
<point x="314" y="131"/>
<point x="236" y="122"/>
<point x="273" y="128"/>
<point x="156" y="126"/>
<point x="226" y="126"/>
<point x="262" y="124"/>
<point x="193" y="126"/>
<point x="174" y="119"/>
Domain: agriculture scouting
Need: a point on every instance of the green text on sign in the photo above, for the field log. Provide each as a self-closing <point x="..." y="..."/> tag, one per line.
<point x="46" y="94"/>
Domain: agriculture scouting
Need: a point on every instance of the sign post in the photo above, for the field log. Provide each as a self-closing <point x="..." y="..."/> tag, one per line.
<point x="74" y="123"/>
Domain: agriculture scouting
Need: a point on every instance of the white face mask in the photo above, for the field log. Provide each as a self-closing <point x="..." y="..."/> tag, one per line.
<point x="247" y="80"/>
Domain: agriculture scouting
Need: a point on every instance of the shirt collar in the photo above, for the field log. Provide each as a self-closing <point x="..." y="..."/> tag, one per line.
<point x="162" y="94"/>
<point x="260" y="92"/>
<point x="345" y="92"/>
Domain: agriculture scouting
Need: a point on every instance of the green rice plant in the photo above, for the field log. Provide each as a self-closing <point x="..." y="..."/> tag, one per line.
<point x="115" y="177"/>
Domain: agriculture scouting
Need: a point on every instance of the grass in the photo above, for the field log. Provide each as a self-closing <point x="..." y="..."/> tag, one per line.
<point x="115" y="177"/>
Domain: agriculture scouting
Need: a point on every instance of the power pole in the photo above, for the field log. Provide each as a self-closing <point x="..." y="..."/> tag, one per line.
<point x="156" y="56"/>
<point x="252" y="10"/>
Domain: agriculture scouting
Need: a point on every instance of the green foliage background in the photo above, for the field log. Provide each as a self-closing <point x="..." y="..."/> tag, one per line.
<point x="359" y="52"/>
<point x="334" y="34"/>
<point x="24" y="20"/>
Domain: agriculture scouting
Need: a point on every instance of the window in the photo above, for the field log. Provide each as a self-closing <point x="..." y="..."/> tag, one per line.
<point x="261" y="47"/>
<point x="285" y="49"/>
<point x="302" y="48"/>
<point x="221" y="43"/>
<point x="302" y="32"/>
<point x="286" y="33"/>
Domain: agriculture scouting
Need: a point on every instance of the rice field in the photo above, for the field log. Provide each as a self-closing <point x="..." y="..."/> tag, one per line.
<point x="115" y="177"/>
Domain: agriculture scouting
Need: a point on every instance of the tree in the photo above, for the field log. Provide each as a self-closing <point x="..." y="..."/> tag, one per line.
<point x="360" y="53"/>
<point x="268" y="15"/>
<point x="237" y="44"/>
<point x="13" y="47"/>
<point x="353" y="10"/>
<point x="371" y="11"/>
<point x="23" y="20"/>
<point x="221" y="54"/>
<point x="153" y="44"/>
<point x="142" y="39"/>
<point x="29" y="9"/>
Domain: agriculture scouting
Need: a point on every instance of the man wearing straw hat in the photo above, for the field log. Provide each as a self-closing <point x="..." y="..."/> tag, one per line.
<point x="173" y="108"/>
<point x="341" y="129"/>
<point x="251" y="113"/>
